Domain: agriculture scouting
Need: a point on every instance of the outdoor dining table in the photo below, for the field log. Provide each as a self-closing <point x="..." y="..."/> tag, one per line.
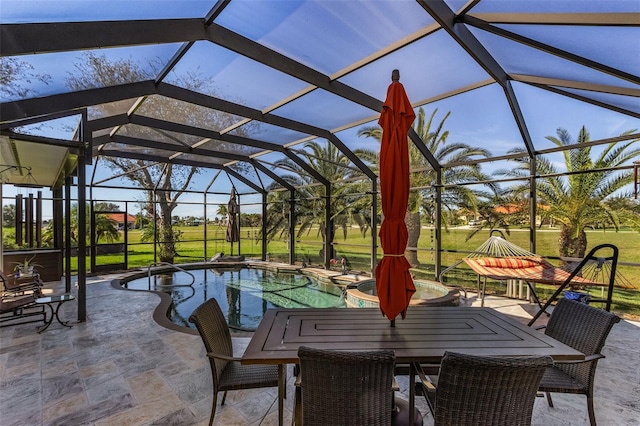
<point x="423" y="337"/>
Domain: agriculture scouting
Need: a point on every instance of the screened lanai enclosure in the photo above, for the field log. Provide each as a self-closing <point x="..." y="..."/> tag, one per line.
<point x="153" y="111"/>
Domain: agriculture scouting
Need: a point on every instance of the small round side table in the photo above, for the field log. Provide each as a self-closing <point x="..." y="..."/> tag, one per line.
<point x="57" y="301"/>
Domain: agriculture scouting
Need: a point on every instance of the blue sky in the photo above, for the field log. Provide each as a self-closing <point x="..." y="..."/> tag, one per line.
<point x="329" y="36"/>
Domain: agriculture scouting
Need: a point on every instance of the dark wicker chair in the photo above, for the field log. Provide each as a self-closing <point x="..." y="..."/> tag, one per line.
<point x="475" y="390"/>
<point x="584" y="328"/>
<point x="20" y="309"/>
<point x="228" y="374"/>
<point x="346" y="388"/>
<point x="15" y="286"/>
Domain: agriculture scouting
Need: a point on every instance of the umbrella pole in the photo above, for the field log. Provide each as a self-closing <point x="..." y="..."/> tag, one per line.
<point x="393" y="322"/>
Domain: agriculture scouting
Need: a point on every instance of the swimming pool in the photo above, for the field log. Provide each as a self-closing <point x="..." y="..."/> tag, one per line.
<point x="244" y="294"/>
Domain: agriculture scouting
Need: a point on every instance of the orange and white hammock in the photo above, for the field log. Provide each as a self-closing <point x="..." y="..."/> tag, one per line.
<point x="534" y="269"/>
<point x="499" y="259"/>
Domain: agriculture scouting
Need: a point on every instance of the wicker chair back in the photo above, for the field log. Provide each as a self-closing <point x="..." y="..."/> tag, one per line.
<point x="476" y="391"/>
<point x="213" y="329"/>
<point x="586" y="329"/>
<point x="346" y="388"/>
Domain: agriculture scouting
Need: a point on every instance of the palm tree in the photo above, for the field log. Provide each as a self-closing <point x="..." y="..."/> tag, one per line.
<point x="579" y="199"/>
<point x="346" y="206"/>
<point x="105" y="227"/>
<point x="423" y="176"/>
<point x="222" y="212"/>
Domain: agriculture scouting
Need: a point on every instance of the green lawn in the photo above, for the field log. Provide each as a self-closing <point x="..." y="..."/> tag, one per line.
<point x="357" y="249"/>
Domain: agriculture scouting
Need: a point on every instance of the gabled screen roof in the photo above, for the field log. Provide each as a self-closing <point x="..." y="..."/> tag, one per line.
<point x="240" y="85"/>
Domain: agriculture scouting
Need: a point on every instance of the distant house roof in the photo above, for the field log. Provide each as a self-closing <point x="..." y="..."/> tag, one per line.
<point x="119" y="217"/>
<point x="515" y="208"/>
<point x="507" y="208"/>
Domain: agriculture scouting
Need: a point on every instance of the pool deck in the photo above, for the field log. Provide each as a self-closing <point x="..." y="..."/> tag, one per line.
<point x="121" y="368"/>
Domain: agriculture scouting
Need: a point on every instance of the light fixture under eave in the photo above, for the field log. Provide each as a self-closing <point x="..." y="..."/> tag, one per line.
<point x="28" y="181"/>
<point x="7" y="167"/>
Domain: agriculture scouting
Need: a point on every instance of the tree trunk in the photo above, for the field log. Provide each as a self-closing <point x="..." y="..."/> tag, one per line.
<point x="323" y="233"/>
<point x="167" y="244"/>
<point x="570" y="246"/>
<point x="413" y="228"/>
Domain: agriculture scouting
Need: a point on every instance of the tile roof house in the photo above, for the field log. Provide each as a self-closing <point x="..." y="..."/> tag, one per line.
<point x="120" y="217"/>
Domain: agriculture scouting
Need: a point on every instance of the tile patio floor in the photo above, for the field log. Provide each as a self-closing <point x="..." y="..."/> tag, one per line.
<point x="121" y="368"/>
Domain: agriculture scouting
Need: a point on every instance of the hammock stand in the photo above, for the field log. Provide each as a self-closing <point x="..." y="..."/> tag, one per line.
<point x="504" y="261"/>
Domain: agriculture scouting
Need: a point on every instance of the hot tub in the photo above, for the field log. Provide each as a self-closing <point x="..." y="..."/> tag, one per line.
<point x="428" y="293"/>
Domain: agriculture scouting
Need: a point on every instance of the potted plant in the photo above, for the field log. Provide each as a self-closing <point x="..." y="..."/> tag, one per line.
<point x="26" y="266"/>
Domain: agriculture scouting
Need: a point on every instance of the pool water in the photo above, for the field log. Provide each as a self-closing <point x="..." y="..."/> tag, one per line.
<point x="421" y="292"/>
<point x="243" y="294"/>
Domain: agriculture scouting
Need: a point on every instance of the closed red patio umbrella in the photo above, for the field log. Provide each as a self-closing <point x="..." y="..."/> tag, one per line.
<point x="393" y="280"/>
<point x="233" y="230"/>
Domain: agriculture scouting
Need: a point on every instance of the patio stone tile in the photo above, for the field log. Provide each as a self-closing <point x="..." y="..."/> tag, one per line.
<point x="93" y="341"/>
<point x="607" y="393"/>
<point x="124" y="345"/>
<point x="271" y="419"/>
<point x="21" y="418"/>
<point x="123" y="368"/>
<point x="58" y="351"/>
<point x="180" y="417"/>
<point x="30" y="368"/>
<point x="59" y="357"/>
<point x="191" y="351"/>
<point x="3" y="363"/>
<point x="93" y="355"/>
<point x="157" y="347"/>
<point x="190" y="385"/>
<point x="98" y="369"/>
<point x="26" y="330"/>
<point x="141" y="336"/>
<point x="141" y="414"/>
<point x="251" y="402"/>
<point x="569" y="410"/>
<point x="21" y="391"/>
<point x="148" y="387"/>
<point x="202" y="408"/>
<point x="114" y="388"/>
<point x="175" y="368"/>
<point x="99" y="378"/>
<point x="88" y="415"/>
<point x="228" y="416"/>
<point x="57" y="387"/>
<point x="22" y="356"/>
<point x="622" y="414"/>
<point x="18" y="345"/>
<point x="53" y="341"/>
<point x="58" y="369"/>
<point x="75" y="402"/>
<point x="136" y="363"/>
<point x="24" y="339"/>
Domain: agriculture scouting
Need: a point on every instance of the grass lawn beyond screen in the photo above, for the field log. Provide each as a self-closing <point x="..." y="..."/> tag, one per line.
<point x="357" y="249"/>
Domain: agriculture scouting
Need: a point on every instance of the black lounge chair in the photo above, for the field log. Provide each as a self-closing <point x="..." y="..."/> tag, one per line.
<point x="15" y="310"/>
<point x="220" y="257"/>
<point x="13" y="285"/>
